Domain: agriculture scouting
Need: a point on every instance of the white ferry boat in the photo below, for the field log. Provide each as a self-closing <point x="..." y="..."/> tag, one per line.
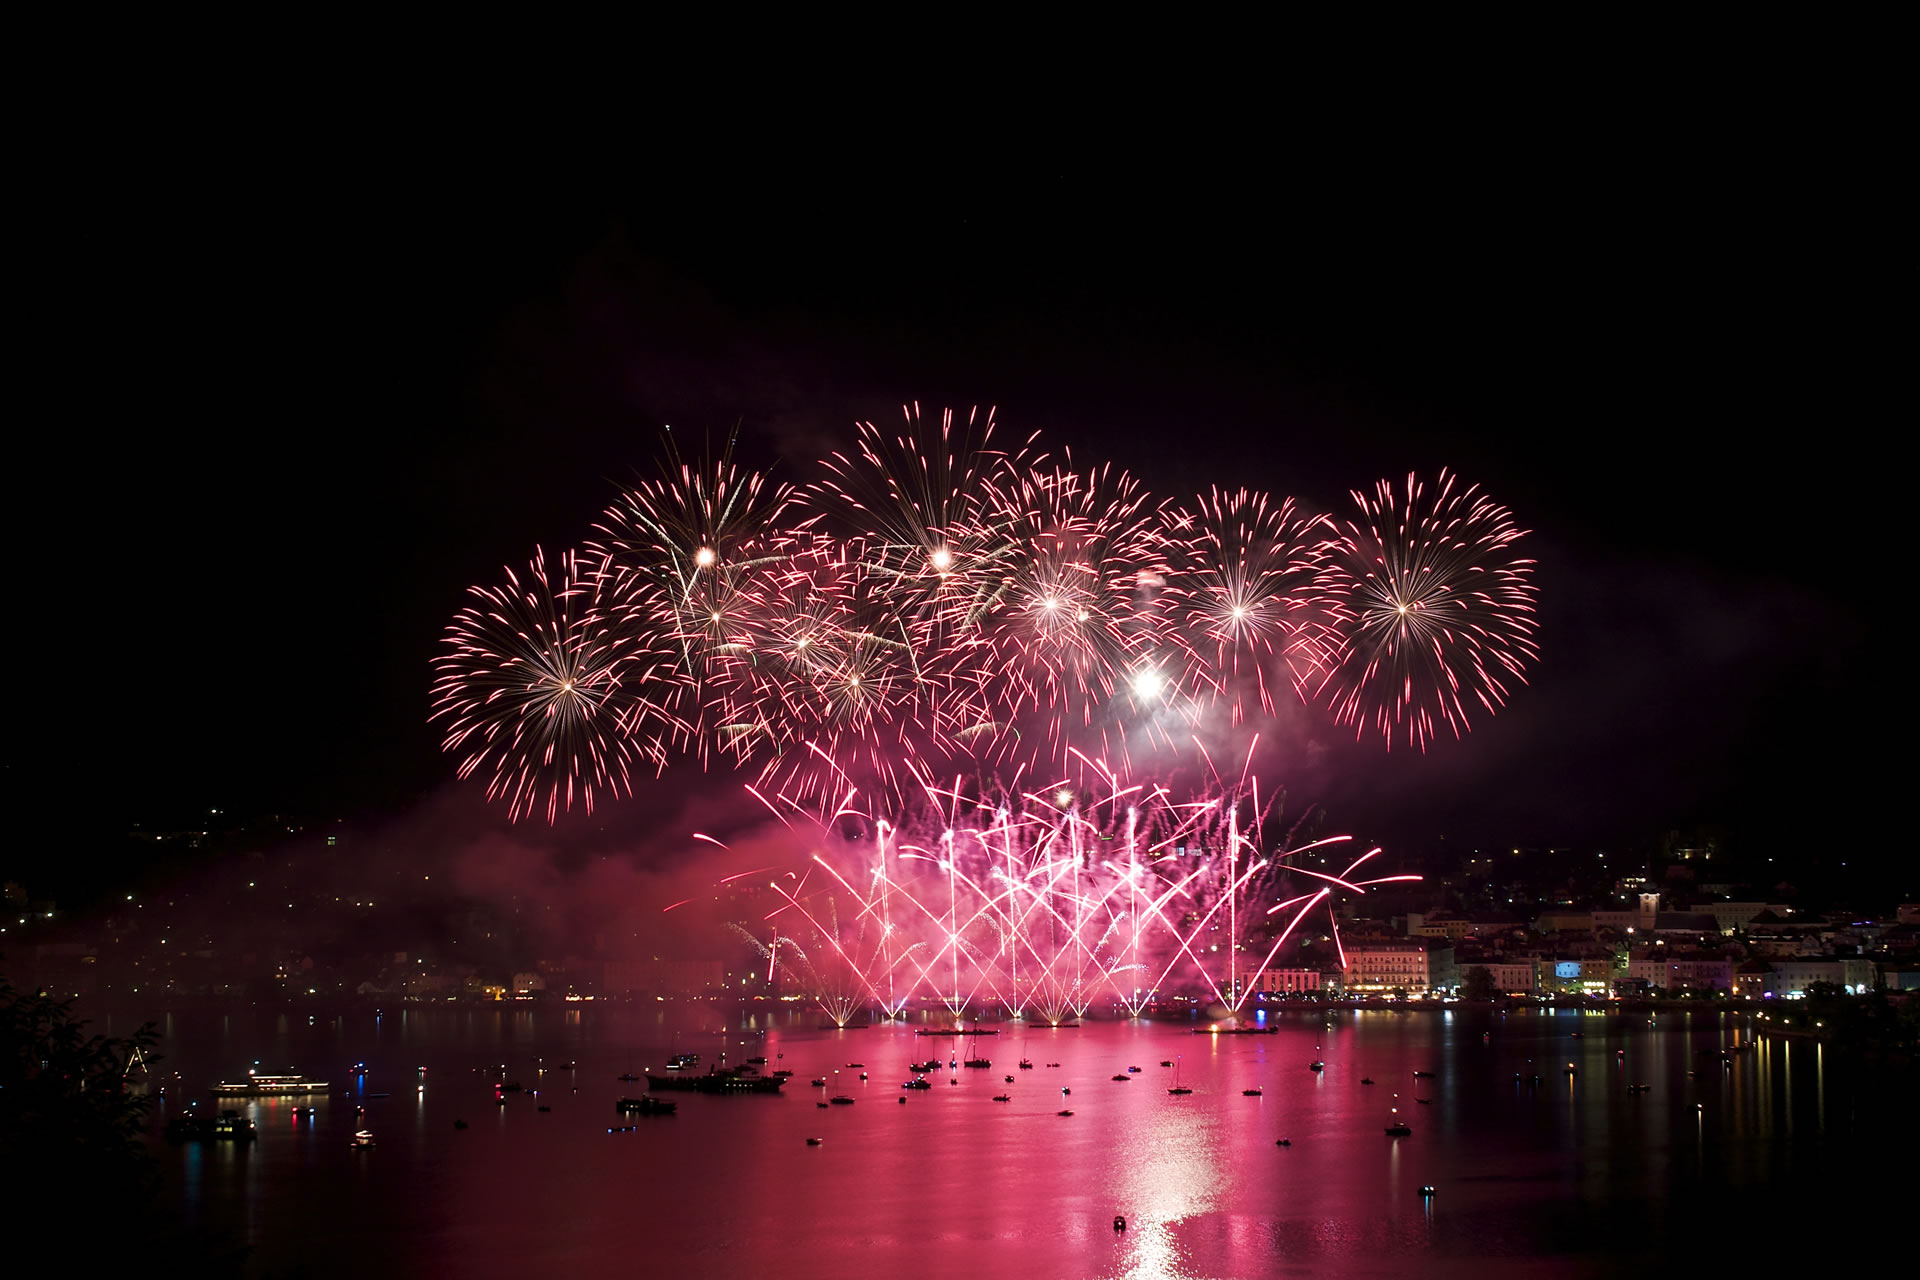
<point x="259" y="1086"/>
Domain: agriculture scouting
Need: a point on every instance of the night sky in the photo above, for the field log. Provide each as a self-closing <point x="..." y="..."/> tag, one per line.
<point x="317" y="404"/>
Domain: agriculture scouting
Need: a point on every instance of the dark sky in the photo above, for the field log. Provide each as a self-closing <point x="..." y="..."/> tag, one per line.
<point x="312" y="405"/>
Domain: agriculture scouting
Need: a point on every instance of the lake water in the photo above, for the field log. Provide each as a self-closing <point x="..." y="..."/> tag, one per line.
<point x="1574" y="1176"/>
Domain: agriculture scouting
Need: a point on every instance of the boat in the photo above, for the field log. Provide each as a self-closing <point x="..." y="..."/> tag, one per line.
<point x="855" y="1066"/>
<point x="626" y="1077"/>
<point x="1008" y="1079"/>
<point x="1236" y="1031"/>
<point x="782" y="1074"/>
<point x="1316" y="1066"/>
<point x="841" y="1100"/>
<point x="1398" y="1128"/>
<point x="1064" y="1113"/>
<point x="717" y="1080"/>
<point x="931" y="1064"/>
<point x="757" y="1062"/>
<point x="1425" y="1102"/>
<point x="977" y="1062"/>
<point x="1026" y="1065"/>
<point x="1250" y="1093"/>
<point x="645" y="1106"/>
<point x="1639" y="1088"/>
<point x="1053" y="1064"/>
<point x="819" y="1082"/>
<point x="620" y="1128"/>
<point x="821" y="1105"/>
<point x="918" y="1082"/>
<point x="1178" y="1088"/>
<point x="681" y="1061"/>
<point x="305" y="1111"/>
<point x="1283" y="1142"/>
<point x="1123" y="1077"/>
<point x="1423" y="1075"/>
<point x="954" y="1031"/>
<point x="1001" y="1097"/>
<point x="362" y="1141"/>
<point x="1132" y="1070"/>
<point x="234" y="1127"/>
<point x="259" y="1086"/>
<point x="814" y="1142"/>
<point x="1166" y="1062"/>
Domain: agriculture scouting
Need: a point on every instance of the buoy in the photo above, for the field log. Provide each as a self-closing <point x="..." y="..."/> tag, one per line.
<point x="1119" y="1222"/>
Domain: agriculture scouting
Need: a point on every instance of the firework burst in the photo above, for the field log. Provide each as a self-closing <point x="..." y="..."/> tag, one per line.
<point x="547" y="693"/>
<point x="1434" y="611"/>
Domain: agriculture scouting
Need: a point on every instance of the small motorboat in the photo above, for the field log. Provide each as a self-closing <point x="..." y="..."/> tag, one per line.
<point x="1283" y="1142"/>
<point x="1250" y="1093"/>
<point x="1026" y="1064"/>
<point x="1398" y="1130"/>
<point x="1008" y="1079"/>
<point x="841" y="1100"/>
<point x="855" y="1065"/>
<point x="758" y="1062"/>
<point x="1366" y="1079"/>
<point x="1119" y="1222"/>
<point x="303" y="1111"/>
<point x="863" y="1075"/>
<point x="1166" y="1062"/>
<point x="1425" y="1102"/>
<point x="1066" y="1093"/>
<point x="620" y="1128"/>
<point x="1426" y="1193"/>
<point x="1131" y="1070"/>
<point x="821" y="1105"/>
<point x="814" y="1142"/>
<point x="1064" y="1113"/>
<point x="1180" y="1089"/>
<point x="1123" y="1077"/>
<point x="918" y="1082"/>
<point x="931" y="1064"/>
<point x="1002" y="1097"/>
<point x="1053" y="1064"/>
<point x="1316" y="1066"/>
<point x="362" y="1140"/>
<point x="1423" y="1075"/>
<point x="1578" y="1035"/>
<point x="819" y="1082"/>
<point x="903" y="1102"/>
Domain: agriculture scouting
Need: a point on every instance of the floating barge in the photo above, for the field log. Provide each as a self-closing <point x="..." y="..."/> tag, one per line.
<point x="717" y="1080"/>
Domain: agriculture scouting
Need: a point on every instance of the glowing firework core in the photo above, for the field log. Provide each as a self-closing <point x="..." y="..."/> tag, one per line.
<point x="704" y="558"/>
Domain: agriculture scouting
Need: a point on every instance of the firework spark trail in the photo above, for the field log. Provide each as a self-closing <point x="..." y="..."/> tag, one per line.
<point x="1432" y="608"/>
<point x="980" y="898"/>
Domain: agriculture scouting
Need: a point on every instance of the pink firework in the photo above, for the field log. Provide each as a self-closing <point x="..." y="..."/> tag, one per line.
<point x="1245" y="569"/>
<point x="547" y="693"/>
<point x="1435" y="612"/>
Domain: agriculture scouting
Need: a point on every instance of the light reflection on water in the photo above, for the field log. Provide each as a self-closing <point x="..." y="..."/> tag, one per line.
<point x="1575" y="1169"/>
